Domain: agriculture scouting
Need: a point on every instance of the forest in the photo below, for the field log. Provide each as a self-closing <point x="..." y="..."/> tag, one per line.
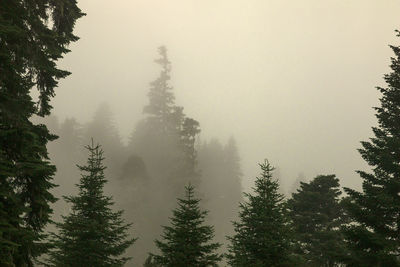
<point x="76" y="193"/>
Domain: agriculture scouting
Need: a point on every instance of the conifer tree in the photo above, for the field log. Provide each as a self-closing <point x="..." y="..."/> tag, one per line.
<point x="165" y="138"/>
<point x="317" y="216"/>
<point x="162" y="157"/>
<point x="221" y="184"/>
<point x="262" y="234"/>
<point x="187" y="242"/>
<point x="33" y="36"/>
<point x="374" y="237"/>
<point x="92" y="234"/>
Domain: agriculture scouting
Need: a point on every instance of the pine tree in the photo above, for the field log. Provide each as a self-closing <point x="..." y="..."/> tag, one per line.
<point x="317" y="216"/>
<point x="162" y="157"/>
<point x="262" y="234"/>
<point x="221" y="183"/>
<point x="374" y="237"/>
<point x="234" y="172"/>
<point x="186" y="243"/>
<point x="165" y="138"/>
<point x="103" y="129"/>
<point x="92" y="234"/>
<point x="34" y="35"/>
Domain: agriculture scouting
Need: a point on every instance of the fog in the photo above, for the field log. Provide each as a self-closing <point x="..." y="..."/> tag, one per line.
<point x="291" y="81"/>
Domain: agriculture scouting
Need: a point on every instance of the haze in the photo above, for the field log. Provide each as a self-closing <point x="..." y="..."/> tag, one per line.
<point x="290" y="81"/>
<point x="293" y="81"/>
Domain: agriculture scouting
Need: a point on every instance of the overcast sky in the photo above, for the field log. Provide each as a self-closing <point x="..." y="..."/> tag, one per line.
<point x="292" y="81"/>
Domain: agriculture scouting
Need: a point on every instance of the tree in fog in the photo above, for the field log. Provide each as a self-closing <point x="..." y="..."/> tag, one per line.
<point x="102" y="128"/>
<point x="234" y="172"/>
<point x="34" y="35"/>
<point x="161" y="158"/>
<point x="317" y="216"/>
<point x="92" y="234"/>
<point x="221" y="175"/>
<point x="187" y="241"/>
<point x="165" y="138"/>
<point x="262" y="234"/>
<point x="374" y="237"/>
<point x="296" y="184"/>
<point x="68" y="147"/>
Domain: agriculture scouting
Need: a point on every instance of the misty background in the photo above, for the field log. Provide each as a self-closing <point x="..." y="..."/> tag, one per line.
<point x="291" y="81"/>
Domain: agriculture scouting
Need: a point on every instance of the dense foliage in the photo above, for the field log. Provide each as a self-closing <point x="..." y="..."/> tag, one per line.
<point x="317" y="216"/>
<point x="92" y="234"/>
<point x="187" y="241"/>
<point x="262" y="234"/>
<point x="374" y="239"/>
<point x="33" y="36"/>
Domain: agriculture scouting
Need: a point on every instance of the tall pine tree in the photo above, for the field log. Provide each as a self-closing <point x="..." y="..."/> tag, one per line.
<point x="317" y="216"/>
<point x="93" y="234"/>
<point x="374" y="238"/>
<point x="165" y="139"/>
<point x="33" y="36"/>
<point x="187" y="242"/>
<point x="162" y="157"/>
<point x="262" y="234"/>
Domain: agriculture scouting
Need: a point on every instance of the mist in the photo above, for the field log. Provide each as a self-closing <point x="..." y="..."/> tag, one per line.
<point x="293" y="82"/>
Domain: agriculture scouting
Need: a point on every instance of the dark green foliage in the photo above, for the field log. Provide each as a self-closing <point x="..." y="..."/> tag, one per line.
<point x="374" y="238"/>
<point x="186" y="243"/>
<point x="317" y="216"/>
<point x="92" y="234"/>
<point x="262" y="234"/>
<point x="33" y="36"/>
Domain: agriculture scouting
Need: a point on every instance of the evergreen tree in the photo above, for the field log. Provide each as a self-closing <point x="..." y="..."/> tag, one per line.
<point x="234" y="172"/>
<point x="317" y="216"/>
<point x="374" y="238"/>
<point x="186" y="243"/>
<point x="162" y="158"/>
<point x="92" y="235"/>
<point x="102" y="128"/>
<point x="165" y="138"/>
<point x="34" y="35"/>
<point x="221" y="176"/>
<point x="262" y="234"/>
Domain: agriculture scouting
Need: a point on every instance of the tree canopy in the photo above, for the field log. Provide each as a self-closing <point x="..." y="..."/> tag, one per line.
<point x="33" y="36"/>
<point x="92" y="234"/>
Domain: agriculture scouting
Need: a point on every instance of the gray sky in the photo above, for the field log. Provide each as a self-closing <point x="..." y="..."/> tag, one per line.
<point x="293" y="81"/>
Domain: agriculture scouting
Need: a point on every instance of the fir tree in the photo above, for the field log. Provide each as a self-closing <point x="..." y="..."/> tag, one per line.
<point x="221" y="183"/>
<point x="317" y="216"/>
<point x="162" y="157"/>
<point x="262" y="234"/>
<point x="92" y="234"/>
<point x="165" y="138"/>
<point x="374" y="238"/>
<point x="103" y="129"/>
<point x="186" y="243"/>
<point x="34" y="35"/>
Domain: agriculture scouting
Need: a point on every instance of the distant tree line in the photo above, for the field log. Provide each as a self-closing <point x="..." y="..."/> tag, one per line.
<point x="164" y="168"/>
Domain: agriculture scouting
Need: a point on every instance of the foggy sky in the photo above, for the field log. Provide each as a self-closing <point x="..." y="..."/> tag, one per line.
<point x="293" y="81"/>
